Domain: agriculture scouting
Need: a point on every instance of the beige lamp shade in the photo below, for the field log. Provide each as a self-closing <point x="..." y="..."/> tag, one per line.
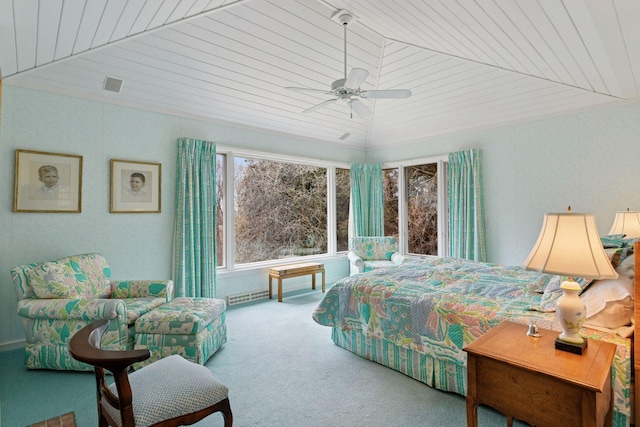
<point x="627" y="223"/>
<point x="569" y="245"/>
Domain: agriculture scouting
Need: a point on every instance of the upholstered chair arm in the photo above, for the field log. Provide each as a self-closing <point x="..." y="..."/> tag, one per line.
<point x="356" y="263"/>
<point x="72" y="309"/>
<point x="355" y="259"/>
<point x="142" y="288"/>
<point x="397" y="258"/>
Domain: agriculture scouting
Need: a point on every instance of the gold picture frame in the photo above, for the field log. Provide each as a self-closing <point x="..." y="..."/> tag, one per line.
<point x="47" y="182"/>
<point x="135" y="186"/>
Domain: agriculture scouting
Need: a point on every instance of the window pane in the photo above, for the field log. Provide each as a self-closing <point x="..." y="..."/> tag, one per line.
<point x="390" y="189"/>
<point x="422" y="209"/>
<point x="281" y="210"/>
<point x="220" y="206"/>
<point x="343" y="191"/>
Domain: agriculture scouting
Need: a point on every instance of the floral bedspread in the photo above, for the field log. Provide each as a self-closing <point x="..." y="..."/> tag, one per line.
<point x="437" y="306"/>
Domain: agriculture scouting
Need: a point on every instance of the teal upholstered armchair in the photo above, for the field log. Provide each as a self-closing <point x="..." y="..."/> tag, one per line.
<point x="369" y="253"/>
<point x="58" y="298"/>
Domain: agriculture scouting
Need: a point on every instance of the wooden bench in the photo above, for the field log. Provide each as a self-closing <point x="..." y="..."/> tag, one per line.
<point x="295" y="270"/>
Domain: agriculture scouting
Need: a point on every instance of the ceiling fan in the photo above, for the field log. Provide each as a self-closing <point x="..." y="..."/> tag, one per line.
<point x="348" y="88"/>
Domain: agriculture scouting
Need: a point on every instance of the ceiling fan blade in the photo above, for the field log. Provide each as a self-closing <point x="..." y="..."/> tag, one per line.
<point x="360" y="109"/>
<point x="395" y="94"/>
<point x="306" y="89"/>
<point x="322" y="104"/>
<point x="355" y="78"/>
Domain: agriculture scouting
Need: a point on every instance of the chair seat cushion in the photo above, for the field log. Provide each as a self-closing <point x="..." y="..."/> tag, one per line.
<point x="181" y="316"/>
<point x="169" y="388"/>
<point x="372" y="265"/>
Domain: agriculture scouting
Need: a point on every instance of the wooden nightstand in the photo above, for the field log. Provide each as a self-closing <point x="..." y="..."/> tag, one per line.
<point x="527" y="379"/>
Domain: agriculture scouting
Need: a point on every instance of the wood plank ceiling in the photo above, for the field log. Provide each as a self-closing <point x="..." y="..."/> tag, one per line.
<point x="471" y="64"/>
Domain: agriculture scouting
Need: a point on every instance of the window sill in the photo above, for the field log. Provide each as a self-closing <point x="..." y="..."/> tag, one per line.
<point x="253" y="268"/>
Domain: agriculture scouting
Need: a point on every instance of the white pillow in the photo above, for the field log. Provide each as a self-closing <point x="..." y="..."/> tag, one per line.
<point x="626" y="267"/>
<point x="609" y="303"/>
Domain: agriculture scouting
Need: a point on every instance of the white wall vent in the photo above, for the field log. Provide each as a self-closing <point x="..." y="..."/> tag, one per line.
<point x="247" y="297"/>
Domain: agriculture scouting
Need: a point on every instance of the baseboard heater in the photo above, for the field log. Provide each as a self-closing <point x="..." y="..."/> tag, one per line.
<point x="247" y="297"/>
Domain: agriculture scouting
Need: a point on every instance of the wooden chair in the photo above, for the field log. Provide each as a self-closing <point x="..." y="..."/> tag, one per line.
<point x="169" y="392"/>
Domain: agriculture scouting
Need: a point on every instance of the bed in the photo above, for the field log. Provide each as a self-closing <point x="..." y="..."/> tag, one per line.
<point x="416" y="318"/>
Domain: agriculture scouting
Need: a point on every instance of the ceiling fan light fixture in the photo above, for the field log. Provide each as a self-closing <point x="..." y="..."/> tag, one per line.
<point x="348" y="88"/>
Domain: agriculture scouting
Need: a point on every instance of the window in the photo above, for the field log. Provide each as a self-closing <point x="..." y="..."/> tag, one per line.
<point x="280" y="210"/>
<point x="220" y="209"/>
<point x="390" y="195"/>
<point x="271" y="207"/>
<point x="415" y="208"/>
<point x="343" y="192"/>
<point x="422" y="209"/>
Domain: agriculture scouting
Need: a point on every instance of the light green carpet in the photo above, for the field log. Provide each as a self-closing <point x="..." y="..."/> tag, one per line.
<point x="282" y="369"/>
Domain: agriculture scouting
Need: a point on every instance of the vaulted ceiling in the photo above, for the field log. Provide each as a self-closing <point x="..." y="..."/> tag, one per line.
<point x="470" y="64"/>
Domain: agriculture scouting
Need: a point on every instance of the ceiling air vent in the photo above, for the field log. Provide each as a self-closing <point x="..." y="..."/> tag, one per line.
<point x="112" y="85"/>
<point x="345" y="136"/>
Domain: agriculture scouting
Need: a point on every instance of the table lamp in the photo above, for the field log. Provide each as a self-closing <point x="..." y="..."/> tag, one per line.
<point x="569" y="245"/>
<point x="627" y="223"/>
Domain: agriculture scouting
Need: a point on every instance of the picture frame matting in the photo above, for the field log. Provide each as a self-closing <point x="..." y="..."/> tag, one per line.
<point x="135" y="186"/>
<point x="47" y="182"/>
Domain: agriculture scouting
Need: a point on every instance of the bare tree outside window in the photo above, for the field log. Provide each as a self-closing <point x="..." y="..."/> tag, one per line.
<point x="390" y="191"/>
<point x="421" y="204"/>
<point x="343" y="193"/>
<point x="220" y="208"/>
<point x="422" y="209"/>
<point x="280" y="210"/>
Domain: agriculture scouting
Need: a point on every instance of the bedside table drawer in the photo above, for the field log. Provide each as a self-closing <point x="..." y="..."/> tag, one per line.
<point x="538" y="399"/>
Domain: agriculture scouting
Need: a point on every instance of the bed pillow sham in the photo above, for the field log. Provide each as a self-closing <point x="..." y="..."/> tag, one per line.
<point x="614" y="241"/>
<point x="617" y="255"/>
<point x="609" y="303"/>
<point x="626" y="268"/>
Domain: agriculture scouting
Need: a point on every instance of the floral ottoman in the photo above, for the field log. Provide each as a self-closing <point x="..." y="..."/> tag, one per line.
<point x="194" y="328"/>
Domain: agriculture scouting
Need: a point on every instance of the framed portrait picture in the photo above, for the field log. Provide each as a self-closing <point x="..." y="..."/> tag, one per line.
<point x="47" y="182"/>
<point x="135" y="187"/>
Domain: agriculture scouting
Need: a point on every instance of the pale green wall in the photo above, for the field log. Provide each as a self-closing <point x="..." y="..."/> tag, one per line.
<point x="589" y="160"/>
<point x="135" y="245"/>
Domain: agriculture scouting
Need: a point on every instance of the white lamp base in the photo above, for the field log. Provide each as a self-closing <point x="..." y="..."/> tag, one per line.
<point x="571" y="312"/>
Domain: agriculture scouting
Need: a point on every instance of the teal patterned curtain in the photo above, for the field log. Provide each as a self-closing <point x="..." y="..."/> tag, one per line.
<point x="466" y="213"/>
<point x="367" y="201"/>
<point x="195" y="238"/>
